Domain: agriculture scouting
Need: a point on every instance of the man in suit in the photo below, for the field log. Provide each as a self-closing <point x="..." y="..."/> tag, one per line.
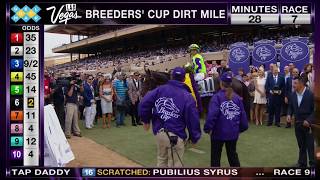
<point x="289" y="89"/>
<point x="275" y="87"/>
<point x="286" y="75"/>
<point x="301" y="107"/>
<point x="270" y="71"/>
<point x="291" y="67"/>
<point x="223" y="67"/>
<point x="134" y="91"/>
<point x="89" y="102"/>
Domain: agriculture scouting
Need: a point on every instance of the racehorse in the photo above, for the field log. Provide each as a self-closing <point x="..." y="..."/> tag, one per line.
<point x="153" y="79"/>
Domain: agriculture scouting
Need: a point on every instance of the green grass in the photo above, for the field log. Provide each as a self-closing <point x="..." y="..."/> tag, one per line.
<point x="259" y="146"/>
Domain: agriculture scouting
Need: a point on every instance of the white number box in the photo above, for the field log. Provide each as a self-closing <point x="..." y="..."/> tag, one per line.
<point x="254" y="18"/>
<point x="31" y="64"/>
<point x="31" y="116"/>
<point x="295" y="18"/>
<point x="16" y="50"/>
<point x="31" y="38"/>
<point x="31" y="77"/>
<point x="31" y="90"/>
<point x="31" y="129"/>
<point x="30" y="141"/>
<point x="31" y="51"/>
<point x="31" y="156"/>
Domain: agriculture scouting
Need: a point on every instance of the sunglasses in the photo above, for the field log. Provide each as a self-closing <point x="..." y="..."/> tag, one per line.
<point x="90" y="79"/>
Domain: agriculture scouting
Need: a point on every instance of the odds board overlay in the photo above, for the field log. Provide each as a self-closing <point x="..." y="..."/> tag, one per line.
<point x="24" y="95"/>
<point x="226" y="89"/>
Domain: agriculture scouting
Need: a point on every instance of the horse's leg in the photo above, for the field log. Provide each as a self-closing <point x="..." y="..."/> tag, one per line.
<point x="205" y="105"/>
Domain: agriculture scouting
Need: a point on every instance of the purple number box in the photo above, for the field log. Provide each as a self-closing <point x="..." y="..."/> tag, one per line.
<point x="16" y="154"/>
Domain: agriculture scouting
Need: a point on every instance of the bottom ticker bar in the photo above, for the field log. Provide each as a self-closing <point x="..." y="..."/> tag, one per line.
<point x="164" y="172"/>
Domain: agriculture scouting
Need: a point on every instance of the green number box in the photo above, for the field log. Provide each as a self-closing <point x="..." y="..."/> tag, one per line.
<point x="16" y="89"/>
<point x="16" y="141"/>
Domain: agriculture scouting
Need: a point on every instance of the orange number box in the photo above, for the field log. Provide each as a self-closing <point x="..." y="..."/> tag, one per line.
<point x="16" y="115"/>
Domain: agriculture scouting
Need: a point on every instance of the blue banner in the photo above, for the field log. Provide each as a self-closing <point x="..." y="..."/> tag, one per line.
<point x="239" y="57"/>
<point x="264" y="52"/>
<point x="294" y="50"/>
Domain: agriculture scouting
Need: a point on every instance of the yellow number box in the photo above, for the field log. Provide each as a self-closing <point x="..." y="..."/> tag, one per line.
<point x="16" y="77"/>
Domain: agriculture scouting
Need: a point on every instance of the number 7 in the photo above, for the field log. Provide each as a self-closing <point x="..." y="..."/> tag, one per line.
<point x="294" y="18"/>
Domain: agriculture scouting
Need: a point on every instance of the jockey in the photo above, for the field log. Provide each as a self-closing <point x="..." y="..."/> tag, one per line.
<point x="199" y="66"/>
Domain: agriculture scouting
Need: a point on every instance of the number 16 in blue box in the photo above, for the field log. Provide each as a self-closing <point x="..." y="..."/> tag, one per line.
<point x="88" y="172"/>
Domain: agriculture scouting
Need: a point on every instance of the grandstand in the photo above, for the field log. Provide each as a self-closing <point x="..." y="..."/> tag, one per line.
<point x="157" y="47"/>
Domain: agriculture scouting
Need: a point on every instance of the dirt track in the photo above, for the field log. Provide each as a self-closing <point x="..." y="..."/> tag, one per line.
<point x="90" y="154"/>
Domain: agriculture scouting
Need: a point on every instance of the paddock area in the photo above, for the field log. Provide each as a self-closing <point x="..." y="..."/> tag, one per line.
<point x="259" y="146"/>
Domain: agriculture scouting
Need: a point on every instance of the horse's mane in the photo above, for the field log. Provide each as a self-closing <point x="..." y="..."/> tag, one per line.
<point x="154" y="79"/>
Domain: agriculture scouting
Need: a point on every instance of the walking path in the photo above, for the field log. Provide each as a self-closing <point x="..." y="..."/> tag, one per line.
<point x="90" y="154"/>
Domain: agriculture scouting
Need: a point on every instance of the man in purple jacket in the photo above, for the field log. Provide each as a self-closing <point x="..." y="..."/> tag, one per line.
<point x="226" y="119"/>
<point x="171" y="108"/>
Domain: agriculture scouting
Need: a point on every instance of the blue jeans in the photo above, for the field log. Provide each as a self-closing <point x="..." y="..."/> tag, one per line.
<point x="120" y="117"/>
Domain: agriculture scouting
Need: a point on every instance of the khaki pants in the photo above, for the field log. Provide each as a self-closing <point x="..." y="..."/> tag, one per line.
<point x="164" y="156"/>
<point x="71" y="119"/>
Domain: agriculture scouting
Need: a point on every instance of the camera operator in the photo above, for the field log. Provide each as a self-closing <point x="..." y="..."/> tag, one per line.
<point x="72" y="109"/>
<point x="58" y="97"/>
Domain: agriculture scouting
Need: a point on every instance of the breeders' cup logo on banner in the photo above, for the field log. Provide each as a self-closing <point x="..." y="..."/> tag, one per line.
<point x="239" y="57"/>
<point x="294" y="51"/>
<point x="167" y="108"/>
<point x="64" y="14"/>
<point x="239" y="54"/>
<point x="264" y="53"/>
<point x="229" y="109"/>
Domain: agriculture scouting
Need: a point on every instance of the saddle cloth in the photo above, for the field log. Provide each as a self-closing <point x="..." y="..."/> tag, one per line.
<point x="206" y="87"/>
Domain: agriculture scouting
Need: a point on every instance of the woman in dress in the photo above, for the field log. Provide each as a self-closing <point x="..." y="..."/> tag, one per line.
<point x="249" y="82"/>
<point x="106" y="94"/>
<point x="307" y="75"/>
<point x="260" y="99"/>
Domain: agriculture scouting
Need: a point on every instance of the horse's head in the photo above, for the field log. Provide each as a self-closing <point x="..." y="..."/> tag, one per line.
<point x="153" y="79"/>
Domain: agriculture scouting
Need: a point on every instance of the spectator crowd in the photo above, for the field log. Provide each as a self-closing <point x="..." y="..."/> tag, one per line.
<point x="261" y="87"/>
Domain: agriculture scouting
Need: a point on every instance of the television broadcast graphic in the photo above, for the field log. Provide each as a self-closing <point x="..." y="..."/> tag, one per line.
<point x="130" y="90"/>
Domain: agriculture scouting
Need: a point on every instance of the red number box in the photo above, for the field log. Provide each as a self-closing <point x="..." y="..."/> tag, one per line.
<point x="16" y="38"/>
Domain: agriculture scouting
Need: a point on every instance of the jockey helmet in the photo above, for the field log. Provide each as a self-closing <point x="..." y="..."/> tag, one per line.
<point x="194" y="47"/>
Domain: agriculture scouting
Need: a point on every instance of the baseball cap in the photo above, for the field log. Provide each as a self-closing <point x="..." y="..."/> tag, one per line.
<point x="226" y="77"/>
<point x="178" y="73"/>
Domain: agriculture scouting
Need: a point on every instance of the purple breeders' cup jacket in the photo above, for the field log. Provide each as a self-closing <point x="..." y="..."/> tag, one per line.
<point x="171" y="106"/>
<point x="226" y="118"/>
